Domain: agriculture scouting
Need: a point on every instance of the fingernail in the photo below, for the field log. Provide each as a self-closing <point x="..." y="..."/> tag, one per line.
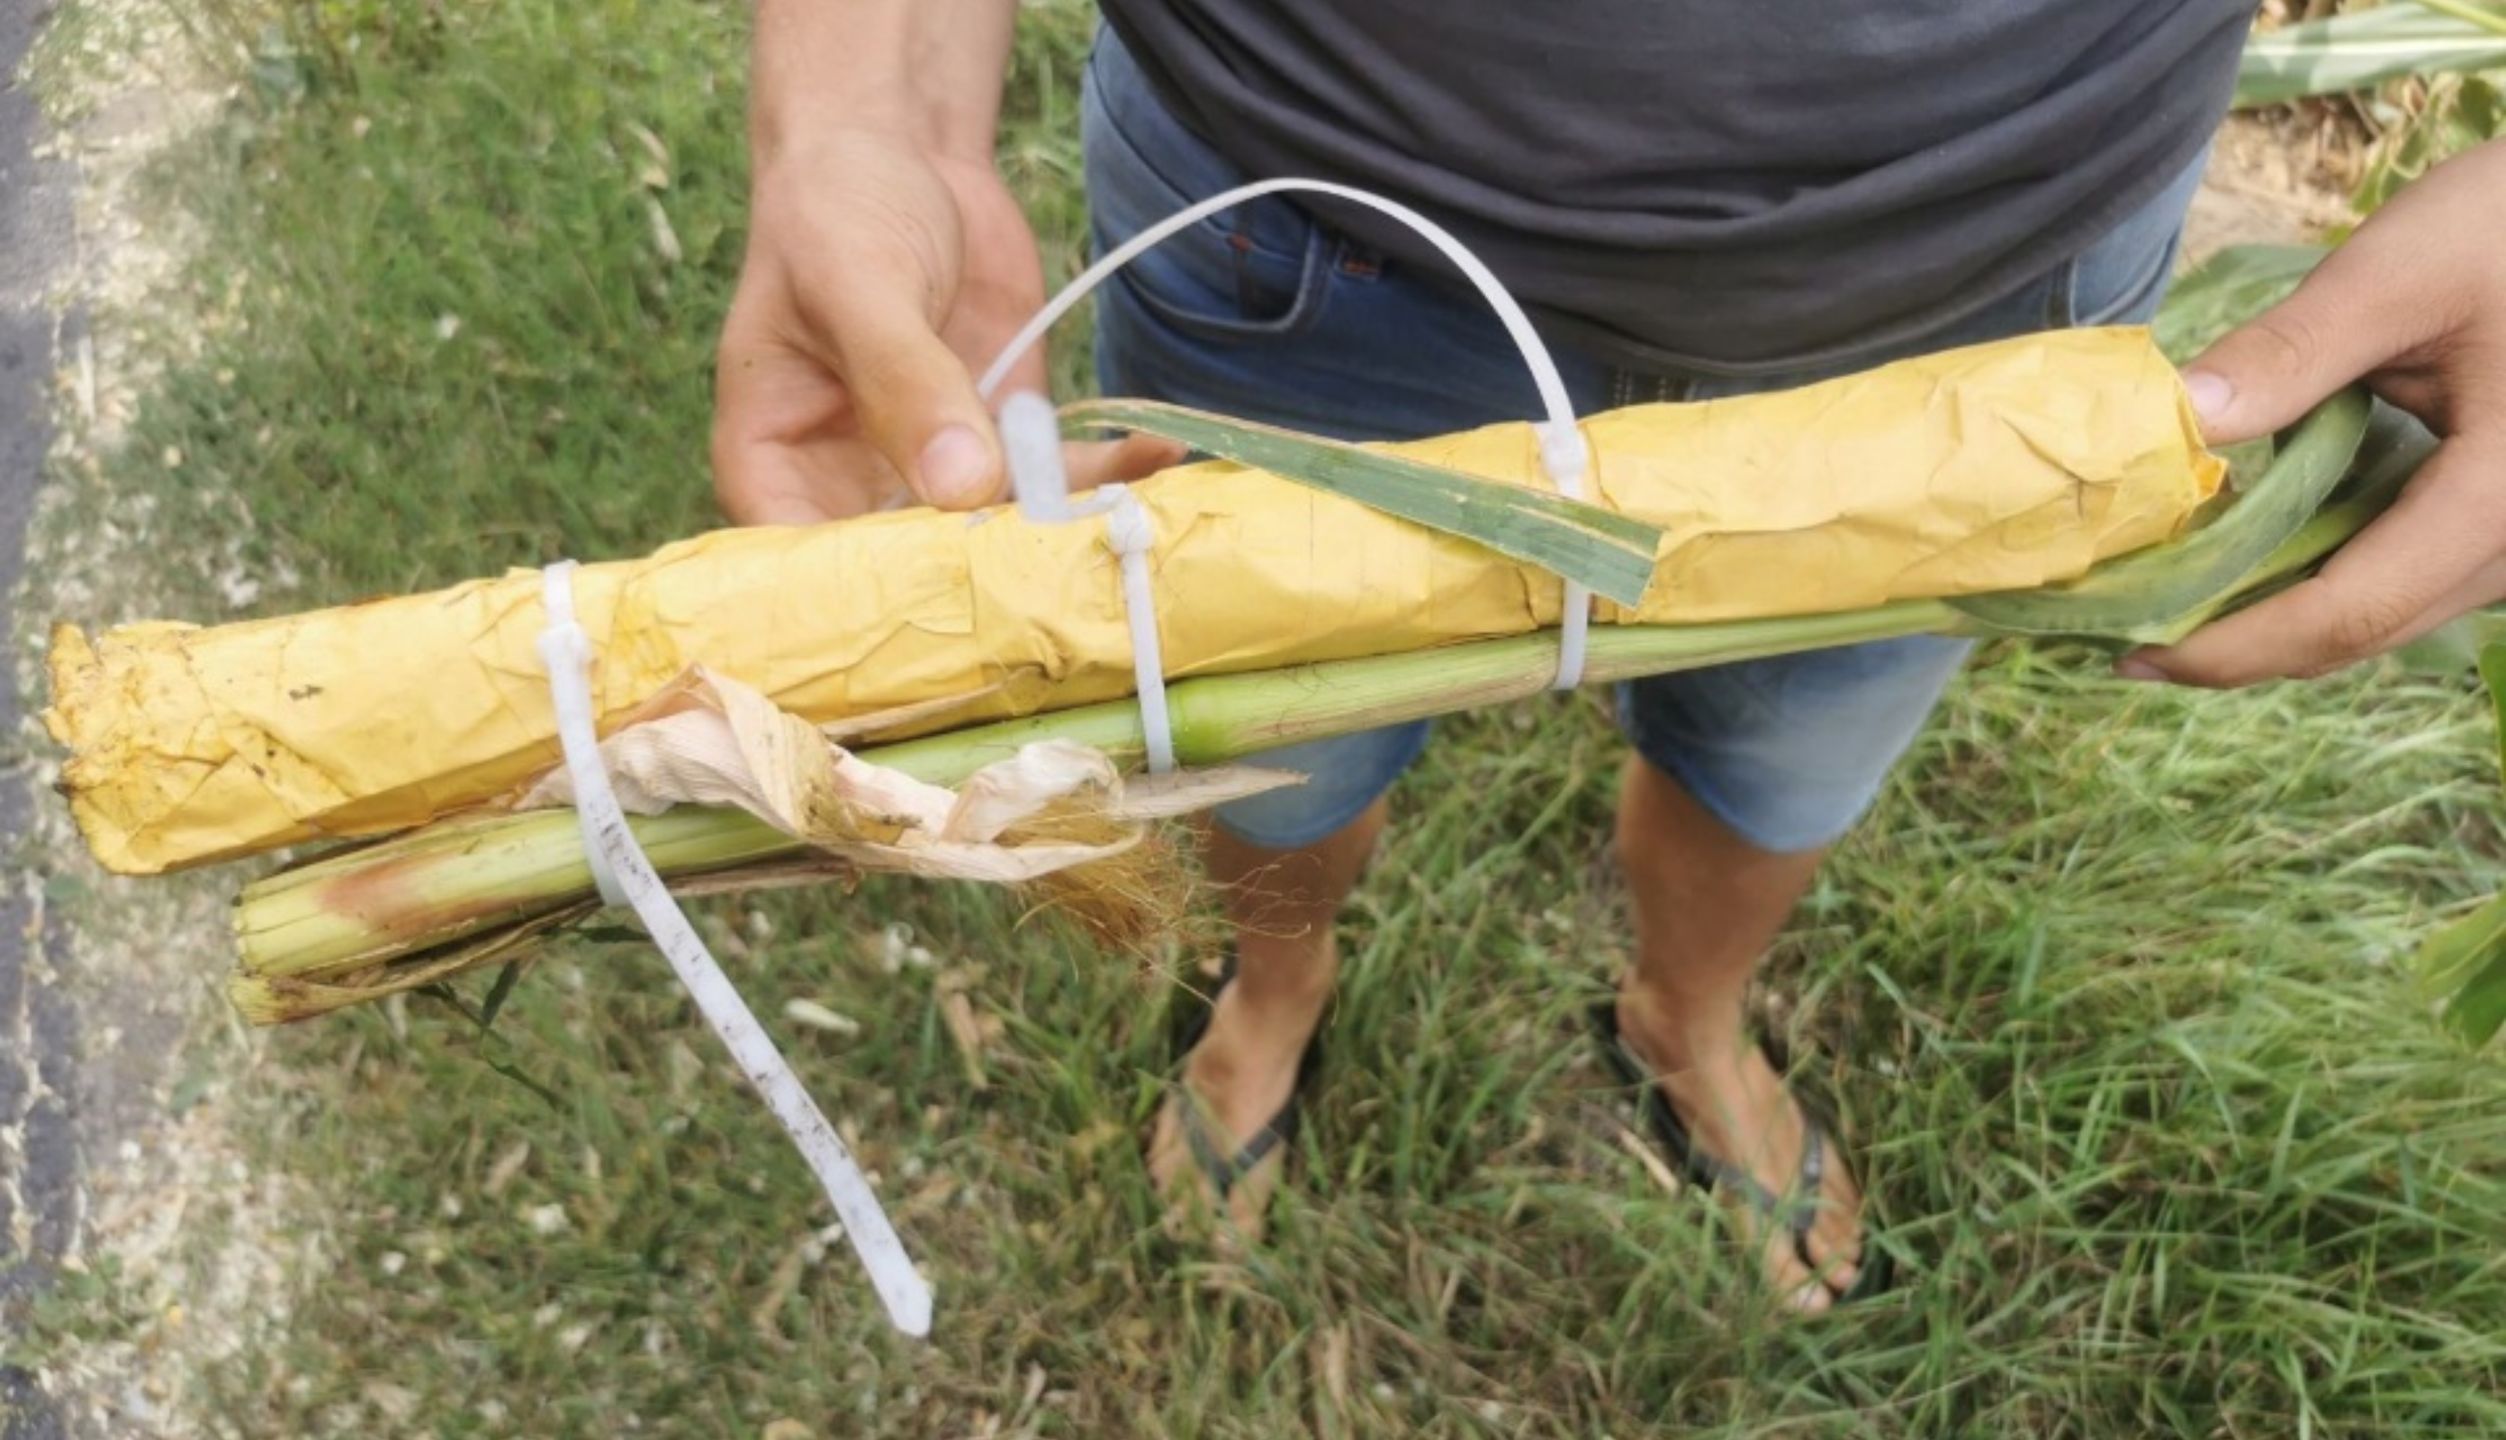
<point x="2134" y="667"/>
<point x="956" y="468"/>
<point x="2211" y="393"/>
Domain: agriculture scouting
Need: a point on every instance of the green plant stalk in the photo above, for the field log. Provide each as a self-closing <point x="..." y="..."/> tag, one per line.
<point x="464" y="877"/>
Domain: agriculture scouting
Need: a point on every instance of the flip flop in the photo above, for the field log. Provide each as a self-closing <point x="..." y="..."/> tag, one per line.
<point x="1222" y="1169"/>
<point x="1795" y="1214"/>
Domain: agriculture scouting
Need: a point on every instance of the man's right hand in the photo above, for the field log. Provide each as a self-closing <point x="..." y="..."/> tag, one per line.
<point x="886" y="264"/>
<point x="878" y="278"/>
<point x="835" y="392"/>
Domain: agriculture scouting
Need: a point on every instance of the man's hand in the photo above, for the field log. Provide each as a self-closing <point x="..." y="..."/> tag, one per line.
<point x="2415" y="305"/>
<point x="886" y="264"/>
<point x="875" y="279"/>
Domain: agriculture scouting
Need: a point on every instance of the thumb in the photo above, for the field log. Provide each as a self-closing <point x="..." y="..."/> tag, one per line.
<point x="916" y="402"/>
<point x="2344" y="321"/>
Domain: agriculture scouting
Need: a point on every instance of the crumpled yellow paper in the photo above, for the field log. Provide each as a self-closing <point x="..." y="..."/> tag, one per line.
<point x="709" y="740"/>
<point x="1997" y="467"/>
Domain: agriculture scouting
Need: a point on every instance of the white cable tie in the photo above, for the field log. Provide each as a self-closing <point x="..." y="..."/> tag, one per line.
<point x="1564" y="456"/>
<point x="1031" y="443"/>
<point x="574" y="703"/>
<point x="1568" y="459"/>
<point x="566" y="652"/>
<point x="1130" y="535"/>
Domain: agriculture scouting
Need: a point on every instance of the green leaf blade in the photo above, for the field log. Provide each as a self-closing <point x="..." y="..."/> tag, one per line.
<point x="1606" y="552"/>
<point x="2493" y="675"/>
<point x="2364" y="49"/>
<point x="2464" y="965"/>
<point x="2227" y="290"/>
<point x="2136" y="596"/>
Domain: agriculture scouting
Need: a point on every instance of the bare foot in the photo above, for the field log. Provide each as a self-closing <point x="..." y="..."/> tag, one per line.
<point x="1239" y="1077"/>
<point x="1737" y="1109"/>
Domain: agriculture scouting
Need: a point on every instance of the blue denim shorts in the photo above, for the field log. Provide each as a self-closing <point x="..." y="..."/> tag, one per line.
<point x="1265" y="313"/>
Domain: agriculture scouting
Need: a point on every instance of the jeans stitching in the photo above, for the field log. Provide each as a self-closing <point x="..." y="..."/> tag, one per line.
<point x="1304" y="308"/>
<point x="2061" y="296"/>
<point x="2135" y="299"/>
<point x="1178" y="194"/>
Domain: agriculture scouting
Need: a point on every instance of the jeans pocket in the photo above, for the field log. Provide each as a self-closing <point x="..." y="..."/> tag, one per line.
<point x="1259" y="298"/>
<point x="1255" y="270"/>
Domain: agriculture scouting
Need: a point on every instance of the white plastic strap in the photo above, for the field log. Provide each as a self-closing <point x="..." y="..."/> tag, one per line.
<point x="567" y="653"/>
<point x="1564" y="455"/>
<point x="1032" y="442"/>
<point x="573" y="699"/>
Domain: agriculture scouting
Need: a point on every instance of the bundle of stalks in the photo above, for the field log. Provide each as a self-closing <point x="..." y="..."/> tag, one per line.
<point x="183" y="753"/>
<point x="474" y="891"/>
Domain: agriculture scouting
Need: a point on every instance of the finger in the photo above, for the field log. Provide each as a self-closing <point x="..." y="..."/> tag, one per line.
<point x="915" y="399"/>
<point x="2358" y="310"/>
<point x="771" y="490"/>
<point x="2376" y="592"/>
<point x="1134" y="457"/>
<point x="758" y="480"/>
<point x="770" y="482"/>
<point x="781" y="450"/>
<point x="2486" y="587"/>
<point x="983" y="323"/>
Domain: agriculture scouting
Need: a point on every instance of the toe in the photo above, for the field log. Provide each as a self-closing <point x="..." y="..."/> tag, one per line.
<point x="1168" y="1153"/>
<point x="1836" y="1246"/>
<point x="1176" y="1177"/>
<point x="1836" y="1237"/>
<point x="1790" y="1279"/>
<point x="1248" y="1201"/>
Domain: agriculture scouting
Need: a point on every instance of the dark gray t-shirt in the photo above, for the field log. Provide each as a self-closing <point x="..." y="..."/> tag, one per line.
<point x="1716" y="184"/>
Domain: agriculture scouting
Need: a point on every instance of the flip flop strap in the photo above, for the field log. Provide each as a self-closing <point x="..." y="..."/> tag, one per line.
<point x="1799" y="1211"/>
<point x="1813" y="1170"/>
<point x="1221" y="1170"/>
<point x="1806" y="1196"/>
<point x="1797" y="1215"/>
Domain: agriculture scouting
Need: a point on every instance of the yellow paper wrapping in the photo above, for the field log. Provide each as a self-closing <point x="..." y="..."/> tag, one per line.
<point x="1997" y="467"/>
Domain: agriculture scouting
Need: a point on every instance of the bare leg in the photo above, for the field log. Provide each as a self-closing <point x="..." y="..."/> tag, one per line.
<point x="1283" y="903"/>
<point x="1707" y="906"/>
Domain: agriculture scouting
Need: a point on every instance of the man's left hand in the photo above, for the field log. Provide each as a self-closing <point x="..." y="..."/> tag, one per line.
<point x="2415" y="306"/>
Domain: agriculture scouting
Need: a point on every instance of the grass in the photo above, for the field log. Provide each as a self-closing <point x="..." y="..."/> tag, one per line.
<point x="2105" y="991"/>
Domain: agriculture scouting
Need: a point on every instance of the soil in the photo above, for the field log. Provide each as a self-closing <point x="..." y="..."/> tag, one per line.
<point x="2274" y="179"/>
<point x="122" y="1166"/>
<point x="39" y="1194"/>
